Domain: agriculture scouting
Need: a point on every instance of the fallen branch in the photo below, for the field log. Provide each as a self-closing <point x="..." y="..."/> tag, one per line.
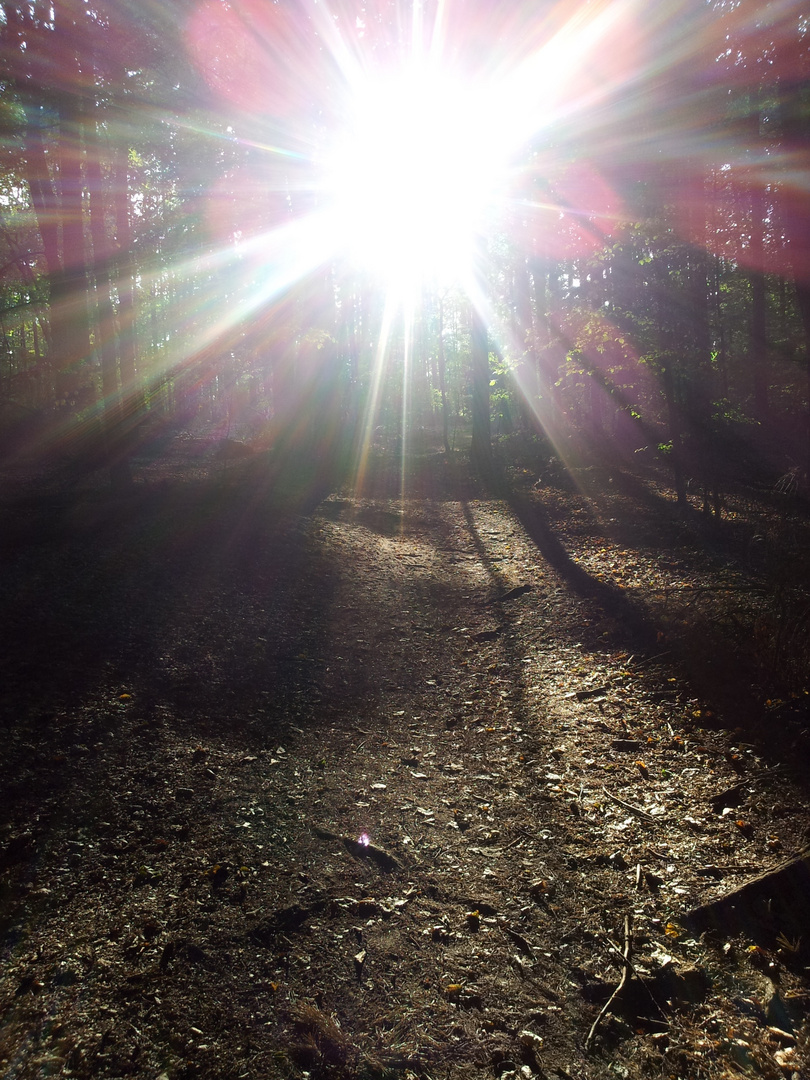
<point x="647" y="660"/>
<point x="629" y="806"/>
<point x="583" y="695"/>
<point x="776" y="900"/>
<point x="719" y="869"/>
<point x="626" y="968"/>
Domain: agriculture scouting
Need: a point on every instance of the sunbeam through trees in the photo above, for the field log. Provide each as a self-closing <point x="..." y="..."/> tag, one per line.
<point x="229" y="215"/>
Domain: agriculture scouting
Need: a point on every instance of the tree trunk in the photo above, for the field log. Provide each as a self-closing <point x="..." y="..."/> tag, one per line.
<point x="69" y="293"/>
<point x="758" y="338"/>
<point x="794" y="119"/>
<point x="674" y="424"/>
<point x="114" y="423"/>
<point x="442" y="365"/>
<point x="43" y="197"/>
<point x="46" y="212"/>
<point x="481" y="447"/>
<point x="526" y="373"/>
<point x="127" y="344"/>
<point x="102" y="255"/>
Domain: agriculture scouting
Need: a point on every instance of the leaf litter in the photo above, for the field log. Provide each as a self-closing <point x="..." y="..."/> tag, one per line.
<point x="210" y="878"/>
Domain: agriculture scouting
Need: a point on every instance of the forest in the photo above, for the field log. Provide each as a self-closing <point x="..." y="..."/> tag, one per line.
<point x="175" y="219"/>
<point x="404" y="517"/>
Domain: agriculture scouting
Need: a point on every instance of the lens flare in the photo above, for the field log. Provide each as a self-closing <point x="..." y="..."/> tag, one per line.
<point x="412" y="136"/>
<point x="385" y="152"/>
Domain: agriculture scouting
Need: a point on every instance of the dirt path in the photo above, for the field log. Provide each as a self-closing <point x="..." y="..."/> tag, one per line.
<point x="383" y="797"/>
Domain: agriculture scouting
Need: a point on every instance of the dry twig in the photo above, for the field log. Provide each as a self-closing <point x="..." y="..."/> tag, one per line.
<point x="626" y="968"/>
<point x="629" y="806"/>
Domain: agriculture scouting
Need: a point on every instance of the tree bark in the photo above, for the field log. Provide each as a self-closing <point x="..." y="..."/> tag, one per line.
<point x="70" y="290"/>
<point x="127" y="343"/>
<point x="481" y="447"/>
<point x="526" y="374"/>
<point x="794" y="118"/>
<point x="104" y="329"/>
<point x="441" y="361"/>
<point x="758" y="325"/>
<point x="114" y="423"/>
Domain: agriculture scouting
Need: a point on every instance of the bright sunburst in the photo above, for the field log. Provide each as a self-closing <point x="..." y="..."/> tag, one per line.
<point x="407" y="119"/>
<point x="407" y="179"/>
<point x="404" y="140"/>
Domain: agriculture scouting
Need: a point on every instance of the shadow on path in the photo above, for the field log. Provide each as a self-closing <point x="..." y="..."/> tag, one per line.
<point x="613" y="600"/>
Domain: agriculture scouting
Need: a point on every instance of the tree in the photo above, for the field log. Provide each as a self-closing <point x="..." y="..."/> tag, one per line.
<point x="481" y="447"/>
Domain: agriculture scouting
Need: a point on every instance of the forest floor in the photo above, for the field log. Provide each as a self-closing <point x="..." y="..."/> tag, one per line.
<point x="398" y="786"/>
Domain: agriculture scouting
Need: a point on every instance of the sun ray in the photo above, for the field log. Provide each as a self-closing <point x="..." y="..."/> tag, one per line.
<point x="407" y="359"/>
<point x="375" y="392"/>
<point x="416" y="134"/>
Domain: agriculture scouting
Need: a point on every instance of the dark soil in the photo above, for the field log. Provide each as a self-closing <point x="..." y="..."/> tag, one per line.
<point x="386" y="784"/>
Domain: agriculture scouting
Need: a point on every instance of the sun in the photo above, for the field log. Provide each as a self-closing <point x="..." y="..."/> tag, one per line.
<point x="411" y="176"/>
<point x="405" y="147"/>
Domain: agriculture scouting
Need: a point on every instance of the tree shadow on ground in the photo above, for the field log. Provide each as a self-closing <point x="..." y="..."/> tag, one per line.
<point x="716" y="650"/>
<point x="637" y="626"/>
